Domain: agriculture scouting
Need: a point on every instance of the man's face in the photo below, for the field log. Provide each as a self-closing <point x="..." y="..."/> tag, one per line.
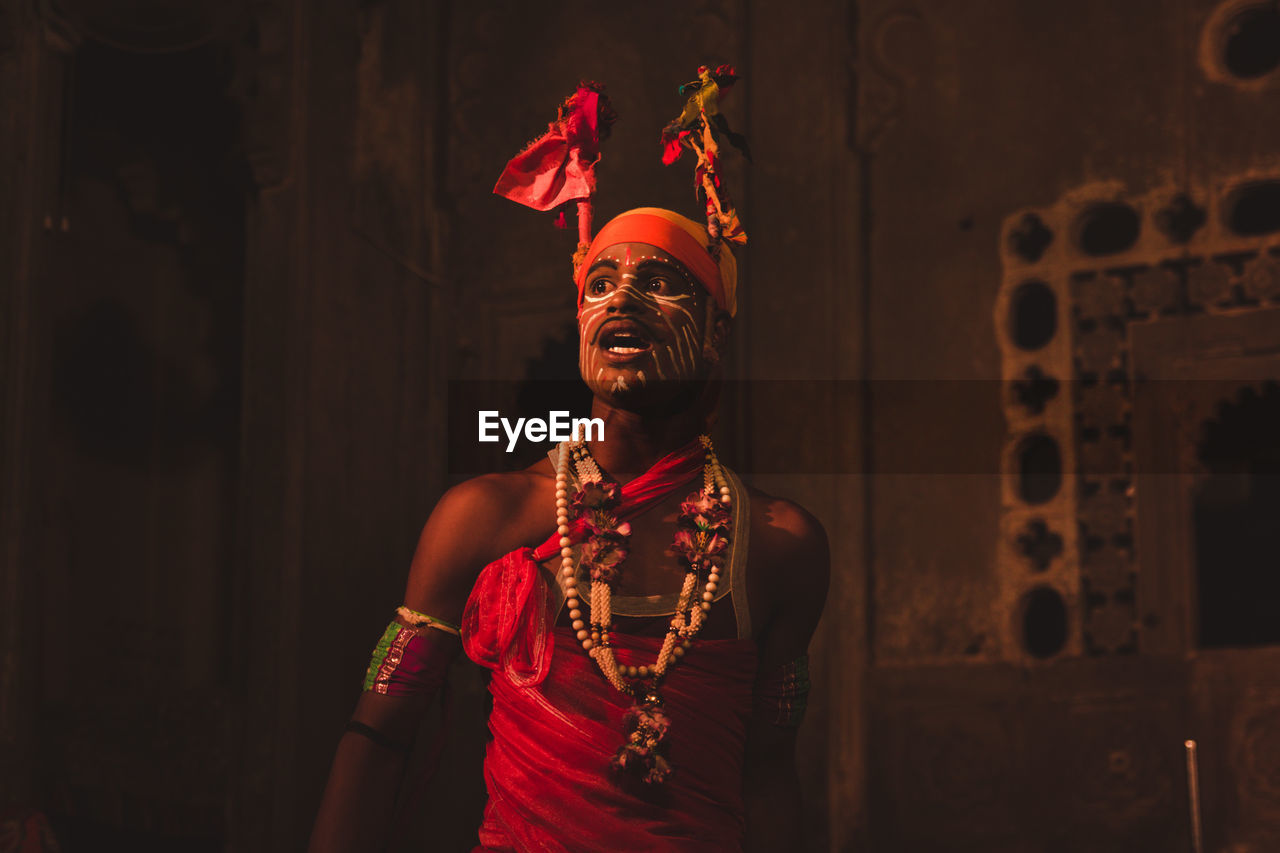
<point x="642" y="326"/>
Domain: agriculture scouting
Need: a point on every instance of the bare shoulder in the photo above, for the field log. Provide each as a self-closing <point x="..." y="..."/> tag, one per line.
<point x="473" y="524"/>
<point x="784" y="530"/>
<point x="487" y="498"/>
<point x="788" y="573"/>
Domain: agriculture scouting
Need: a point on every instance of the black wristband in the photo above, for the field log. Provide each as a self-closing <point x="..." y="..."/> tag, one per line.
<point x="379" y="738"/>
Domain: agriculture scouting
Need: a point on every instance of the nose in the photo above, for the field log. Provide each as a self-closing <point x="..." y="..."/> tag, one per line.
<point x="624" y="299"/>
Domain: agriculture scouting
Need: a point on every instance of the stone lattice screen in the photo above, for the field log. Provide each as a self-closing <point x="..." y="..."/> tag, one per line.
<point x="1076" y="277"/>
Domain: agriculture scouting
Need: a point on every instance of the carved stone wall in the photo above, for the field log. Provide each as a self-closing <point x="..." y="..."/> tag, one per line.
<point x="1101" y="262"/>
<point x="1101" y="276"/>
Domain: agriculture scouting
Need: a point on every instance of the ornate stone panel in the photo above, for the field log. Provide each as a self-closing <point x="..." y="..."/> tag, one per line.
<point x="1077" y="276"/>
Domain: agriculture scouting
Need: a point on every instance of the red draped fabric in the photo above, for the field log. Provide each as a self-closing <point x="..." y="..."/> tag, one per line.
<point x="556" y="721"/>
<point x="559" y="166"/>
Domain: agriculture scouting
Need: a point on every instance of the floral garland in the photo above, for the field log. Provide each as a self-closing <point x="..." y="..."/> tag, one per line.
<point x="701" y="542"/>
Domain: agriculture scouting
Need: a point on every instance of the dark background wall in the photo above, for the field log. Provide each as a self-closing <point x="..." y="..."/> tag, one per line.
<point x="1008" y="327"/>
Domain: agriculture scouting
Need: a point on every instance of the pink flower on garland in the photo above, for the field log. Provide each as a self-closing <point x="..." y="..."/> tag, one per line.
<point x="602" y="494"/>
<point x="685" y="544"/>
<point x="605" y="525"/>
<point x="717" y="549"/>
<point x="697" y="546"/>
<point x="603" y="557"/>
<point x="704" y="512"/>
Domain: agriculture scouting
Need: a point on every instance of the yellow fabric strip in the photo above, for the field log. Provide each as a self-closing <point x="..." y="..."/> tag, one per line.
<point x="422" y="620"/>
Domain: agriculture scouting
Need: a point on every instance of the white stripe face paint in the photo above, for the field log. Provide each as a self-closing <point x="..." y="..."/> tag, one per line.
<point x="639" y="282"/>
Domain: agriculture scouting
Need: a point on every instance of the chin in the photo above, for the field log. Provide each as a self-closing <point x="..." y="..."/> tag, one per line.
<point x="624" y="389"/>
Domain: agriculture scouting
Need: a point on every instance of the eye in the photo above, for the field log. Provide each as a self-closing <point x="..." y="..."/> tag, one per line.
<point x="657" y="284"/>
<point x="599" y="286"/>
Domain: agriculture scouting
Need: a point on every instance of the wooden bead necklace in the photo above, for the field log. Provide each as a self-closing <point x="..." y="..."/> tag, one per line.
<point x="702" y="541"/>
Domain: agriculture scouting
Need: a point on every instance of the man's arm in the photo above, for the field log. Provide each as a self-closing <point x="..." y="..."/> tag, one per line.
<point x="459" y="538"/>
<point x="796" y="568"/>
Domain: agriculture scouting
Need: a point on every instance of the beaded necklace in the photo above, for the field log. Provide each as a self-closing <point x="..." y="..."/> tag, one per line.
<point x="701" y="542"/>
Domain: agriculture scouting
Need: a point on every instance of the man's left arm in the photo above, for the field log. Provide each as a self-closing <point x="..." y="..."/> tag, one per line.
<point x="794" y="577"/>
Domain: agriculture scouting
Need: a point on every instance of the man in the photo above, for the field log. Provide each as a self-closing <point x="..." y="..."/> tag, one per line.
<point x="618" y="724"/>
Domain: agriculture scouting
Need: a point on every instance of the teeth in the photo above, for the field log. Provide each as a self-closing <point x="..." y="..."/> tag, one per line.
<point x="625" y="350"/>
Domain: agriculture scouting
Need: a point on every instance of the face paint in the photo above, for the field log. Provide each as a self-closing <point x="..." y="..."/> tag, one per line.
<point x="642" y="317"/>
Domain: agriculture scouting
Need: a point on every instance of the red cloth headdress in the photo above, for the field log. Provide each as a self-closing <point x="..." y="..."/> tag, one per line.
<point x="559" y="167"/>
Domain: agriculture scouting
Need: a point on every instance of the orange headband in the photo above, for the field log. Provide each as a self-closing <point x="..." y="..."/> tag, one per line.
<point x="682" y="238"/>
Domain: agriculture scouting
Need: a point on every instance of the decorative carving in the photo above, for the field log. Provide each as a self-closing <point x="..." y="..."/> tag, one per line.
<point x="1116" y="279"/>
<point x="1180" y="219"/>
<point x="1261" y="278"/>
<point x="1110" y="627"/>
<point x="1102" y="430"/>
<point x="1106" y="228"/>
<point x="1098" y="353"/>
<point x="1033" y="315"/>
<point x="1240" y="425"/>
<point x="1039" y="544"/>
<point x="1156" y="290"/>
<point x="1030" y="238"/>
<point x="1104" y="522"/>
<point x="1209" y="283"/>
<point x="1105" y="456"/>
<point x="1238" y="45"/>
<point x="1108" y="573"/>
<point x="1099" y="409"/>
<point x="1097" y="299"/>
<point x="1035" y="389"/>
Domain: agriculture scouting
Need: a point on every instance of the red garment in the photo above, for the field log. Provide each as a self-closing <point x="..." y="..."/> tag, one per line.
<point x="557" y="722"/>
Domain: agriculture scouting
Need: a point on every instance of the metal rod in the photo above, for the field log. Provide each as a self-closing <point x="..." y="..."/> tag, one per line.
<point x="1193" y="795"/>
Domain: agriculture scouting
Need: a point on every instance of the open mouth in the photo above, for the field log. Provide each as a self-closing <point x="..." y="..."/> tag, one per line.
<point x="625" y="338"/>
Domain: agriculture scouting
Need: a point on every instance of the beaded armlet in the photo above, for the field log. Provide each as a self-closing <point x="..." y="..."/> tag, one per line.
<point x="783" y="696"/>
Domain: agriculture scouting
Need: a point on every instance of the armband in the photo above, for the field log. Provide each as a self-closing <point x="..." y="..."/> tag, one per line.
<point x="379" y="738"/>
<point x="405" y="663"/>
<point x="782" y="696"/>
